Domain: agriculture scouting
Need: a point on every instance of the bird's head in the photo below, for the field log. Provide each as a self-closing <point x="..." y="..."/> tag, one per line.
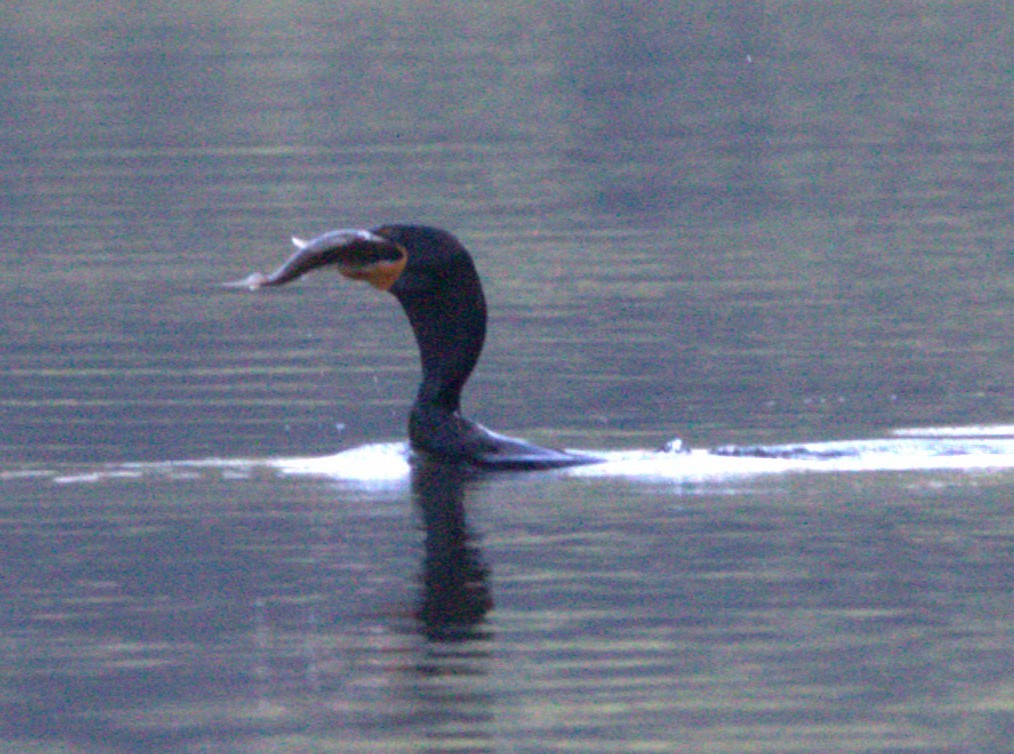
<point x="413" y="257"/>
<point x="356" y="254"/>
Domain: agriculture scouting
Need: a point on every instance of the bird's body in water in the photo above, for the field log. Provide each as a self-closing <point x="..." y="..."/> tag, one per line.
<point x="434" y="279"/>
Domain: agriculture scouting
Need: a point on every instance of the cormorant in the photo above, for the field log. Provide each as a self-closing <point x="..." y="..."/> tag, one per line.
<point x="433" y="277"/>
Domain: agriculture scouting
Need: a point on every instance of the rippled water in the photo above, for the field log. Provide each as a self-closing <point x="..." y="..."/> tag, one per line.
<point x="733" y="223"/>
<point x="220" y="606"/>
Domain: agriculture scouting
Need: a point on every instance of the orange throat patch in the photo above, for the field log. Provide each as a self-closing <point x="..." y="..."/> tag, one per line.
<point x="381" y="275"/>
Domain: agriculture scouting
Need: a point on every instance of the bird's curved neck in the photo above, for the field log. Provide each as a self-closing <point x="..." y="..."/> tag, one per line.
<point x="449" y="323"/>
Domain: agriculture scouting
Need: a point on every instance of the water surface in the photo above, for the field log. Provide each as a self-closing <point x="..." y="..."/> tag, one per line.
<point x="732" y="222"/>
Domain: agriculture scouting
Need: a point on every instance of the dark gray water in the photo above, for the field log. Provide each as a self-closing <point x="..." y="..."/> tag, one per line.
<point x="729" y="222"/>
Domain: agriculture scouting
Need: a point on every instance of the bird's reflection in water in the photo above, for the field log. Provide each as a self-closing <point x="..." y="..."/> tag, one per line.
<point x="428" y="677"/>
<point x="455" y="591"/>
<point x="452" y="698"/>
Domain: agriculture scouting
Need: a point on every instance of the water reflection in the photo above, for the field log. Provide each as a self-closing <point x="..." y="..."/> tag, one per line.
<point x="456" y="594"/>
<point x="428" y="669"/>
<point x="178" y="619"/>
<point x="209" y="611"/>
<point x="455" y="664"/>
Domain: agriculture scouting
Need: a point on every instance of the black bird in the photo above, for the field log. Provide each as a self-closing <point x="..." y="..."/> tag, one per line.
<point x="433" y="277"/>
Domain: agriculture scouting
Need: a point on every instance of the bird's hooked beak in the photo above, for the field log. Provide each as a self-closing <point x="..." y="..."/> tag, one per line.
<point x="358" y="254"/>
